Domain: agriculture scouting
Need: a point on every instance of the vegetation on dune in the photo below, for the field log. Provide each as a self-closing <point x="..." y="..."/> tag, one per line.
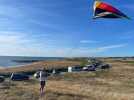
<point x="83" y="60"/>
<point x="128" y="62"/>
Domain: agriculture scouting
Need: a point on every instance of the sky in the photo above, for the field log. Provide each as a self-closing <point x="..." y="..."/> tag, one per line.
<point x="64" y="28"/>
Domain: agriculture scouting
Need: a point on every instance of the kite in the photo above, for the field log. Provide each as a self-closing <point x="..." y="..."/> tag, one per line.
<point x="104" y="10"/>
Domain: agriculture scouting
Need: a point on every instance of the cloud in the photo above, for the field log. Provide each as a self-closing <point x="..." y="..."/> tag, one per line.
<point x="109" y="47"/>
<point x="88" y="41"/>
<point x="27" y="44"/>
<point x="7" y="37"/>
<point x="16" y="43"/>
<point x="82" y="51"/>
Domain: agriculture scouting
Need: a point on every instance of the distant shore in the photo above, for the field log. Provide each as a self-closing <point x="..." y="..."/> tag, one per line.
<point x="1" y="67"/>
<point x="39" y="65"/>
<point x="9" y="61"/>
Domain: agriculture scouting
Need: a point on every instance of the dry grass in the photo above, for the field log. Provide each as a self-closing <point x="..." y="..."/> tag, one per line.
<point x="114" y="84"/>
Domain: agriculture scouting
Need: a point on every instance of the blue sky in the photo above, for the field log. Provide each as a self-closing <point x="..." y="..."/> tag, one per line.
<point x="63" y="28"/>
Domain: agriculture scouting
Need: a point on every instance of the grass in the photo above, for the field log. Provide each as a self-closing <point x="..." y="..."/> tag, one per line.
<point x="114" y="84"/>
<point x="129" y="62"/>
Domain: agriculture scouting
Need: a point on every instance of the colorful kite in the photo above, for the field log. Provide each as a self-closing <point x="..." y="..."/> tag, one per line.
<point x="104" y="10"/>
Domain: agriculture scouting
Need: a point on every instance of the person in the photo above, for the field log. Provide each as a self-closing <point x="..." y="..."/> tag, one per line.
<point x="42" y="79"/>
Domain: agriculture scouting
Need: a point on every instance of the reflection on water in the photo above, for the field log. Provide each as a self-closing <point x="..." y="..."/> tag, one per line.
<point x="10" y="61"/>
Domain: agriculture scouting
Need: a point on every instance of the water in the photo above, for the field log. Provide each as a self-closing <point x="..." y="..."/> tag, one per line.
<point x="10" y="61"/>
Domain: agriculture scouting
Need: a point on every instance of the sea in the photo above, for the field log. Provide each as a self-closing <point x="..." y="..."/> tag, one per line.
<point x="16" y="61"/>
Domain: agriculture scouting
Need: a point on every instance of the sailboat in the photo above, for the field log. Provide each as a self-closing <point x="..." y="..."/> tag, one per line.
<point x="105" y="10"/>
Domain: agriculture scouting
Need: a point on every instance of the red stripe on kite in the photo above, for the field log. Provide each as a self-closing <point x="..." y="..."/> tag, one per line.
<point x="108" y="8"/>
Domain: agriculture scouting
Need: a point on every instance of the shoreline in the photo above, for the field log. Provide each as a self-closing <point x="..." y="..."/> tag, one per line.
<point x="1" y="67"/>
<point x="39" y="65"/>
<point x="9" y="61"/>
